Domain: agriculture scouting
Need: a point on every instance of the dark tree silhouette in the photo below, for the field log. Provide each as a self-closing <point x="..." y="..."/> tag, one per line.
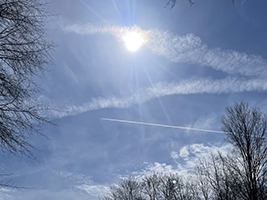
<point x="150" y="186"/>
<point x="153" y="187"/>
<point x="246" y="130"/>
<point x="126" y="189"/>
<point x="172" y="3"/>
<point x="201" y="178"/>
<point x="215" y="179"/>
<point x="24" y="54"/>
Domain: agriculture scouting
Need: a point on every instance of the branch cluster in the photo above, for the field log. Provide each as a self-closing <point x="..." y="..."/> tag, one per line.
<point x="153" y="187"/>
<point x="24" y="53"/>
<point x="172" y="3"/>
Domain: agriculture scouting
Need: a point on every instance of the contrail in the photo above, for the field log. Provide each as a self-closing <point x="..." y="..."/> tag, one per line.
<point x="160" y="125"/>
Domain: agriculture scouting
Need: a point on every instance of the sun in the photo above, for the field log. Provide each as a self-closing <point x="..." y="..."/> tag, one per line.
<point x="133" y="40"/>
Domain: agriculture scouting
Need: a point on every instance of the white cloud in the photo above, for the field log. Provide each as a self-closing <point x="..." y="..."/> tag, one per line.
<point x="82" y="183"/>
<point x="184" y="153"/>
<point x="117" y="31"/>
<point x="74" y="179"/>
<point x="5" y="194"/>
<point x="93" y="190"/>
<point x="191" y="153"/>
<point x="191" y="86"/>
<point x="174" y="155"/>
<point x="184" y="49"/>
<point x="204" y="122"/>
<point x="159" y="168"/>
<point x="186" y="160"/>
<point x="190" y="49"/>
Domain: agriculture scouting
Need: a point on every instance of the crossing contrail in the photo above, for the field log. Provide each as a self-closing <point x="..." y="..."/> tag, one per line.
<point x="160" y="125"/>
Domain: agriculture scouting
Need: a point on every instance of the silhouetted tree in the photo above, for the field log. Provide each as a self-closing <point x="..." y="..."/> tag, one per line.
<point x="215" y="179"/>
<point x="126" y="189"/>
<point x="172" y="3"/>
<point x="246" y="130"/>
<point x="201" y="178"/>
<point x="177" y="187"/>
<point x="24" y="54"/>
<point x="153" y="187"/>
<point x="150" y="186"/>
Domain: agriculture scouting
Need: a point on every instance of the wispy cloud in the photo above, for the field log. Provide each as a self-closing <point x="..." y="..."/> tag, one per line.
<point x="184" y="49"/>
<point x="82" y="183"/>
<point x="190" y="49"/>
<point x="191" y="86"/>
<point x="43" y="194"/>
<point x="204" y="122"/>
<point x="117" y="31"/>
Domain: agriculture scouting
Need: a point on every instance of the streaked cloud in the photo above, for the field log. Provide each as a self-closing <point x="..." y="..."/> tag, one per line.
<point x="184" y="49"/>
<point x="184" y="87"/>
<point x="204" y="122"/>
<point x="190" y="49"/>
<point x="82" y="183"/>
<point x="117" y="31"/>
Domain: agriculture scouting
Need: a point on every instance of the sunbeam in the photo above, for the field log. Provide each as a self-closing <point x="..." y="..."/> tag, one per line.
<point x="160" y="65"/>
<point x="117" y="10"/>
<point x="161" y="103"/>
<point x="132" y="74"/>
<point x="129" y="13"/>
<point x="92" y="10"/>
<point x="138" y="89"/>
<point x="134" y="7"/>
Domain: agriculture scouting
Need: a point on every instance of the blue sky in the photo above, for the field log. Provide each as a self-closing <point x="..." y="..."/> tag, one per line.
<point x="196" y="61"/>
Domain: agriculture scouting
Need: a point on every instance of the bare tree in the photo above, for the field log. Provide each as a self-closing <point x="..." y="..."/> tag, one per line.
<point x="246" y="130"/>
<point x="126" y="189"/>
<point x="24" y="54"/>
<point x="174" y="187"/>
<point x="150" y="186"/>
<point x="172" y="3"/>
<point x="201" y="178"/>
<point x="215" y="179"/>
<point x="153" y="187"/>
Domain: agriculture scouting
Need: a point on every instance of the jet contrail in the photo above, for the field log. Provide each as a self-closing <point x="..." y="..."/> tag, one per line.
<point x="160" y="125"/>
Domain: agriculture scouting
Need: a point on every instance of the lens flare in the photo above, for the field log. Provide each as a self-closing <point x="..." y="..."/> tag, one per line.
<point x="133" y="40"/>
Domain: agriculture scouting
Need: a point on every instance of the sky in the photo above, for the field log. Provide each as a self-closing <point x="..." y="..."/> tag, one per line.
<point x="194" y="62"/>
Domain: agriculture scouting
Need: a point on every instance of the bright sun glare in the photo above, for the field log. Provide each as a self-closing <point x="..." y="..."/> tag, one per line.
<point x="133" y="41"/>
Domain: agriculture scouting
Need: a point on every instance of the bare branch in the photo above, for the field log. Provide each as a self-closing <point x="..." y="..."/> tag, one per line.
<point x="24" y="54"/>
